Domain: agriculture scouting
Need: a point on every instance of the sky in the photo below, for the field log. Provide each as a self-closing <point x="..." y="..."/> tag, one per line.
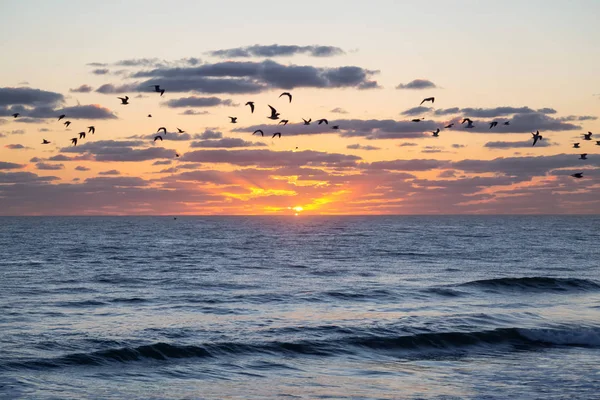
<point x="365" y="67"/>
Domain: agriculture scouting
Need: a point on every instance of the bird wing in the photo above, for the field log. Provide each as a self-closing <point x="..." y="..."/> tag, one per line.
<point x="273" y="111"/>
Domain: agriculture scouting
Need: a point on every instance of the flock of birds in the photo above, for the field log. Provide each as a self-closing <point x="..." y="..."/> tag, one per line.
<point x="275" y="116"/>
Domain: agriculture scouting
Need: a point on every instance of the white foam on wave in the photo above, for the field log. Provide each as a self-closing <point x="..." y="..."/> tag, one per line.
<point x="583" y="336"/>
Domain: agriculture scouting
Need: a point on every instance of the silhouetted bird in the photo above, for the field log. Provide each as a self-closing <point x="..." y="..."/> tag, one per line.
<point x="156" y="88"/>
<point x="177" y="155"/>
<point x="81" y="135"/>
<point x="124" y="100"/>
<point x="577" y="175"/>
<point x="274" y="113"/>
<point x="233" y="120"/>
<point x="431" y="99"/>
<point x="61" y="116"/>
<point x="91" y="129"/>
<point x="335" y="127"/>
<point x="180" y="131"/>
<point x="67" y="123"/>
<point x="276" y="134"/>
<point x="575" y="145"/>
<point x="283" y="121"/>
<point x="436" y="133"/>
<point x="307" y="122"/>
<point x="493" y="124"/>
<point x="162" y="128"/>
<point x="597" y="142"/>
<point x="74" y="141"/>
<point x="162" y="92"/>
<point x="536" y="137"/>
<point x="449" y="126"/>
<point x="417" y="119"/>
<point x="507" y="123"/>
<point x="45" y="141"/>
<point x="149" y="115"/>
<point x="286" y="94"/>
<point x="259" y="131"/>
<point x="251" y="104"/>
<point x="587" y="136"/>
<point x="15" y="115"/>
<point x="583" y="156"/>
<point x="158" y="137"/>
<point x="323" y="120"/>
<point x="468" y="120"/>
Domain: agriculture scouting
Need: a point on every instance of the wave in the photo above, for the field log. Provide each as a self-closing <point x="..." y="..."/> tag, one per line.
<point x="411" y="345"/>
<point x="540" y="283"/>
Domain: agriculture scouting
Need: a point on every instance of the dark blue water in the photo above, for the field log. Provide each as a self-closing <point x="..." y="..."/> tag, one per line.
<point x="305" y="307"/>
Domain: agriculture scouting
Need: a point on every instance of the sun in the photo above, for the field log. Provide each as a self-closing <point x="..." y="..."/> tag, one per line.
<point x="298" y="209"/>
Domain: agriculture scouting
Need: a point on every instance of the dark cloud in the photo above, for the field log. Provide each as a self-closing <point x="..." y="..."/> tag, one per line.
<point x="526" y="123"/>
<point x="194" y="112"/>
<point x="360" y="147"/>
<point x="9" y="165"/>
<point x="82" y="89"/>
<point x="407" y="144"/>
<point x="156" y="62"/>
<point x="162" y="162"/>
<point x="90" y="111"/>
<point x="267" y="158"/>
<point x="96" y="64"/>
<point x="225" y="143"/>
<point x="339" y="110"/>
<point x="416" y="111"/>
<point x="15" y="132"/>
<point x="194" y="101"/>
<point x="49" y="167"/>
<point x="101" y="71"/>
<point x="109" y="88"/>
<point x="458" y="146"/>
<point x="519" y="144"/>
<point x="16" y="147"/>
<point x="29" y="97"/>
<point x="171" y="136"/>
<point x="417" y="84"/>
<point x="432" y="149"/>
<point x="28" y="120"/>
<point x="492" y="112"/>
<point x="208" y="134"/>
<point x="81" y="168"/>
<point x="449" y="173"/>
<point x="276" y="50"/>
<point x="23" y="177"/>
<point x="110" y="172"/>
<point x="43" y="130"/>
<point x="36" y="159"/>
<point x="579" y="118"/>
<point x="59" y="157"/>
<point x="406" y="165"/>
<point x="119" y="151"/>
<point x="253" y="77"/>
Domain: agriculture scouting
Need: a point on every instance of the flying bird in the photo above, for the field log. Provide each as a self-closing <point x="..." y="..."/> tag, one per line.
<point x="81" y="135"/>
<point x="74" y="141"/>
<point x="449" y="126"/>
<point x="180" y="130"/>
<point x="536" y="137"/>
<point x="91" y="129"/>
<point x="15" y="115"/>
<point x="156" y="88"/>
<point x="274" y="113"/>
<point x="162" y="128"/>
<point x="466" y="120"/>
<point x="283" y="121"/>
<point x="507" y="123"/>
<point x="276" y="134"/>
<point x="176" y="155"/>
<point x="162" y="92"/>
<point x="493" y="124"/>
<point x="575" y="145"/>
<point x="431" y="99"/>
<point x="286" y="94"/>
<point x="124" y="100"/>
<point x="233" y="120"/>
<point x="583" y="156"/>
<point x="61" y="116"/>
<point x="67" y="123"/>
<point x="158" y="137"/>
<point x="251" y="104"/>
<point x="587" y="136"/>
<point x="259" y="131"/>
<point x="436" y="133"/>
<point x="577" y="175"/>
<point x="417" y="119"/>
<point x="597" y="142"/>
<point x="323" y="120"/>
<point x="335" y="127"/>
<point x="45" y="141"/>
<point x="307" y="122"/>
<point x="149" y="115"/>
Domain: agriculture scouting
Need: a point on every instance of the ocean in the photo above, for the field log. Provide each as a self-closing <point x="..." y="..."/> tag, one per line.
<point x="307" y="307"/>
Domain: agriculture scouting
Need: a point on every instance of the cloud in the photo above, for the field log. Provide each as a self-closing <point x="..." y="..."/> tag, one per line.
<point x="29" y="97"/>
<point x="209" y="134"/>
<point x="9" y="165"/>
<point x="101" y="71"/>
<point x="225" y="143"/>
<point x="59" y="157"/>
<point x="15" y="132"/>
<point x="407" y="144"/>
<point x="49" y="167"/>
<point x="171" y="136"/>
<point x="162" y="162"/>
<point x="96" y="64"/>
<point x="82" y="89"/>
<point x="267" y="158"/>
<point x="44" y="130"/>
<point x="110" y="172"/>
<point x="417" y="84"/>
<point x="458" y="146"/>
<point x="339" y="110"/>
<point x="118" y="151"/>
<point x="359" y="147"/>
<point x="519" y="144"/>
<point x="406" y="165"/>
<point x="194" y="112"/>
<point x="81" y="168"/>
<point x="16" y="146"/>
<point x="109" y="88"/>
<point x="253" y="77"/>
<point x="579" y="118"/>
<point x="194" y="101"/>
<point x="416" y="111"/>
<point x="432" y="149"/>
<point x="23" y="177"/>
<point x="276" y="50"/>
<point x="492" y="112"/>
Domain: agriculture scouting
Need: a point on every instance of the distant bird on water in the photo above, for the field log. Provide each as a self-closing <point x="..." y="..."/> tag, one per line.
<point x="124" y="100"/>
<point x="74" y="141"/>
<point x="274" y="114"/>
<point x="431" y="99"/>
<point x="259" y="131"/>
<point x="233" y="120"/>
<point x="286" y="94"/>
<point x="91" y="129"/>
<point x="577" y="175"/>
<point x="251" y="104"/>
<point x="536" y="137"/>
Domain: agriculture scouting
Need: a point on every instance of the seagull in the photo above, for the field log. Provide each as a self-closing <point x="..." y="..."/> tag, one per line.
<point x="81" y="135"/>
<point x="276" y="134"/>
<point x="597" y="142"/>
<point x="335" y="127"/>
<point x="176" y="155"/>
<point x="507" y="123"/>
<point x="124" y="100"/>
<point x="587" y="136"/>
<point x="67" y="123"/>
<point x="583" y="156"/>
<point x="149" y="115"/>
<point x="259" y="131"/>
<point x="162" y="92"/>
<point x="283" y="121"/>
<point x="449" y="126"/>
<point x="577" y="175"/>
<point x="15" y="115"/>
<point x="307" y="122"/>
<point x="274" y="113"/>
<point x="156" y="88"/>
<point x="61" y="116"/>
<point x="466" y="120"/>
<point x="45" y="141"/>
<point x="158" y="137"/>
<point x="436" y="133"/>
<point x="536" y="137"/>
<point x="74" y="141"/>
<point x="417" y="119"/>
<point x="91" y="129"/>
<point x="162" y="128"/>
<point x="251" y="104"/>
<point x="493" y="124"/>
<point x="286" y="94"/>
<point x="180" y="130"/>
<point x="575" y="145"/>
<point x="323" y="120"/>
<point x="233" y="120"/>
<point x="431" y="99"/>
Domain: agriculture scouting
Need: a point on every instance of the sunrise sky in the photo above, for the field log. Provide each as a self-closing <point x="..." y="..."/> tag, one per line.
<point x="364" y="66"/>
